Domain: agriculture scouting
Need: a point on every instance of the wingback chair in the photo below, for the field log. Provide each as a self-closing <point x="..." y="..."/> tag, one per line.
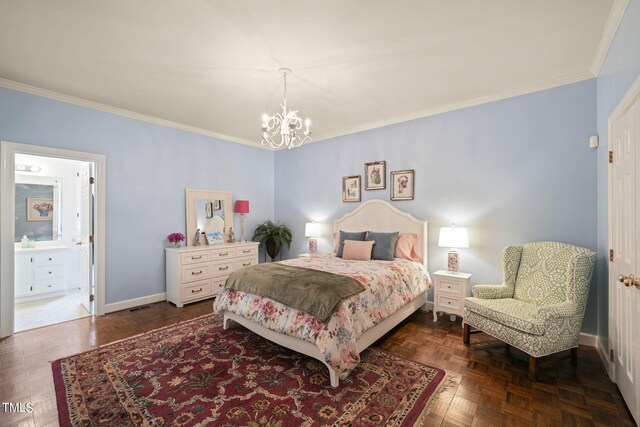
<point x="540" y="305"/>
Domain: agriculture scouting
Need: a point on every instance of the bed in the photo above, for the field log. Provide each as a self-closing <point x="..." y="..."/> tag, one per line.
<point x="333" y="344"/>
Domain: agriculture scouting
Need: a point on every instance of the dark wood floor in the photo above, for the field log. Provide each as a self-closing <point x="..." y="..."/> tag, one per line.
<point x="489" y="386"/>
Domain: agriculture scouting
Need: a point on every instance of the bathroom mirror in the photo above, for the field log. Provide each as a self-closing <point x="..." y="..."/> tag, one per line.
<point x="38" y="208"/>
<point x="207" y="210"/>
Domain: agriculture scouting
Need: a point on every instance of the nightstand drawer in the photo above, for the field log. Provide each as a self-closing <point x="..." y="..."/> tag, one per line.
<point x="197" y="290"/>
<point x="246" y="251"/>
<point x="451" y="286"/>
<point x="450" y="303"/>
<point x="195" y="258"/>
<point x="246" y="262"/>
<point x="196" y="272"/>
<point x="217" y="254"/>
<point x="222" y="268"/>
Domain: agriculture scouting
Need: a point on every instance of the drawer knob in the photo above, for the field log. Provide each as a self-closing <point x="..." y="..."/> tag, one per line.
<point x="449" y="302"/>
<point x="196" y="257"/>
<point x="246" y="264"/>
<point x="49" y="272"/>
<point x="449" y="287"/>
<point x="50" y="285"/>
<point x="246" y="251"/>
<point x="224" y="254"/>
<point x="193" y="291"/>
<point x="49" y="259"/>
<point x="195" y="273"/>
<point x="223" y="268"/>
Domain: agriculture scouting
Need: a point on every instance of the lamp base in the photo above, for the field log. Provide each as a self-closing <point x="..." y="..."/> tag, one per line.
<point x="242" y="228"/>
<point x="452" y="261"/>
<point x="313" y="246"/>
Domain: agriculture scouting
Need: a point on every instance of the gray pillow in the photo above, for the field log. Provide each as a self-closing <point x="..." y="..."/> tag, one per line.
<point x="385" y="246"/>
<point x="347" y="235"/>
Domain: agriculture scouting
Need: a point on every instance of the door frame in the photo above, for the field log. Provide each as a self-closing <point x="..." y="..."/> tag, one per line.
<point x="8" y="151"/>
<point x="632" y="95"/>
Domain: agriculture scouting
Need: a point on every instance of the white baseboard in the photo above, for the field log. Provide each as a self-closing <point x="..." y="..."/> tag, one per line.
<point x="603" y="350"/>
<point x="130" y="303"/>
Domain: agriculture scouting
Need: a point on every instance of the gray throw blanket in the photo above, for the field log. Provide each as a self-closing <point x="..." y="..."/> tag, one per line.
<point x="313" y="291"/>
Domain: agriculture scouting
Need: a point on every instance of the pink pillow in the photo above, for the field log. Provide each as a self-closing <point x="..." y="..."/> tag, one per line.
<point x="358" y="250"/>
<point x="405" y="246"/>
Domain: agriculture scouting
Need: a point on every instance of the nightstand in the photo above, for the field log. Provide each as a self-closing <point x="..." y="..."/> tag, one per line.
<point x="449" y="292"/>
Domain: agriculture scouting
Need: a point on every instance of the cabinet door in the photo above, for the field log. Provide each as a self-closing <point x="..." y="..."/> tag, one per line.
<point x="23" y="275"/>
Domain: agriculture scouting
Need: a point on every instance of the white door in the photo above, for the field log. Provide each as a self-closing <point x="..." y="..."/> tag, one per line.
<point x="625" y="307"/>
<point x="85" y="244"/>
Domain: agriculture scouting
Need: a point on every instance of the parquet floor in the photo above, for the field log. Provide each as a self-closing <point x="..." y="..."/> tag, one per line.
<point x="489" y="386"/>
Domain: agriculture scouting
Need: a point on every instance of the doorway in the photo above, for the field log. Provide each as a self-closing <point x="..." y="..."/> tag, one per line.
<point x="52" y="236"/>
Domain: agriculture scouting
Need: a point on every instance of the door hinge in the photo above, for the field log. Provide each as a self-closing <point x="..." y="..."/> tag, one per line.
<point x="92" y="298"/>
<point x="91" y="239"/>
<point x="610" y="156"/>
<point x="92" y="180"/>
<point x="611" y="355"/>
<point x="611" y="255"/>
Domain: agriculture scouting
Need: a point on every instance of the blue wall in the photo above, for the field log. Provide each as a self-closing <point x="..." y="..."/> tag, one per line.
<point x="621" y="68"/>
<point x="148" y="169"/>
<point x="513" y="171"/>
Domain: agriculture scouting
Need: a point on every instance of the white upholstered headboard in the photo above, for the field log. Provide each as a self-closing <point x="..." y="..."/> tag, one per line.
<point x="378" y="215"/>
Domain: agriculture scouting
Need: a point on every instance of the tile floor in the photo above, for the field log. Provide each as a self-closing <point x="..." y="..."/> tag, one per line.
<point x="49" y="311"/>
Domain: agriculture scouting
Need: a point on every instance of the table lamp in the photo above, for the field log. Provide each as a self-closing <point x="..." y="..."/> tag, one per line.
<point x="241" y="207"/>
<point x="453" y="237"/>
<point x="313" y="229"/>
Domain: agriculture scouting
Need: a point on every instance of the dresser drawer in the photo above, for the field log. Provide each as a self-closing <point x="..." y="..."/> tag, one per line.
<point x="451" y="286"/>
<point x="196" y="272"/>
<point x="48" y="259"/>
<point x="197" y="290"/>
<point x="195" y="258"/>
<point x="222" y="268"/>
<point x="218" y="284"/>
<point x="50" y="285"/>
<point x="246" y="251"/>
<point x="48" y="272"/>
<point x="218" y="254"/>
<point x="246" y="262"/>
<point x="452" y="303"/>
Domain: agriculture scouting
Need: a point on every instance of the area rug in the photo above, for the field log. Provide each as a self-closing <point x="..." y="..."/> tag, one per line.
<point x="197" y="373"/>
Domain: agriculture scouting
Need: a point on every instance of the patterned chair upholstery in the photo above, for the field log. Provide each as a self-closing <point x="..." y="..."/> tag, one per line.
<point x="540" y="305"/>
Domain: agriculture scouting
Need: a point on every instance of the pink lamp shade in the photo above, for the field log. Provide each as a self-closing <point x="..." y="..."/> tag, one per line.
<point x="241" y="207"/>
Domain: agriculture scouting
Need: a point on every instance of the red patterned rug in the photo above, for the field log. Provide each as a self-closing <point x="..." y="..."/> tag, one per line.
<point x="196" y="373"/>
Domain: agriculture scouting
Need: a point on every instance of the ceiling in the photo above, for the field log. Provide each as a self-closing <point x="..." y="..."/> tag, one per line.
<point x="211" y="66"/>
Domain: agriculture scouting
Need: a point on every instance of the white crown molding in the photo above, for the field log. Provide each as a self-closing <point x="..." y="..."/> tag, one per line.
<point x="537" y="87"/>
<point x="610" y="29"/>
<point x="21" y="87"/>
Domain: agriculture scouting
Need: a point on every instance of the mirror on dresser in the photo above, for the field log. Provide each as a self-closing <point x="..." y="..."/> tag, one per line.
<point x="207" y="210"/>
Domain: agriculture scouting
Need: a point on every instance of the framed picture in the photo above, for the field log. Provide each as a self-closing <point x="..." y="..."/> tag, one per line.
<point x="39" y="209"/>
<point x="217" y="205"/>
<point x="208" y="210"/>
<point x="214" y="238"/>
<point x="402" y="185"/>
<point x="351" y="186"/>
<point x="375" y="174"/>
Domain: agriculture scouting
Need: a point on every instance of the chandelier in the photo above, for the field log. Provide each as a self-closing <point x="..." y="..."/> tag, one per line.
<point x="286" y="124"/>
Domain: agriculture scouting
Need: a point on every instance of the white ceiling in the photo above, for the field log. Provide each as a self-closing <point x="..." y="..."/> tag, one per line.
<point x="211" y="65"/>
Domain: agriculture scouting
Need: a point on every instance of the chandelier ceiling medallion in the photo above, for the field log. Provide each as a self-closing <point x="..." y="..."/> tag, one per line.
<point x="286" y="124"/>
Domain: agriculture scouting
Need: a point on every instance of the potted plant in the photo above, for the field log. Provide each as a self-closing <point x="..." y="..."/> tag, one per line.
<point x="273" y="236"/>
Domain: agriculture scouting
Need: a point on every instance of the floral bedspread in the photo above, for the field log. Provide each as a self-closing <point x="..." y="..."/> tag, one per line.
<point x="388" y="286"/>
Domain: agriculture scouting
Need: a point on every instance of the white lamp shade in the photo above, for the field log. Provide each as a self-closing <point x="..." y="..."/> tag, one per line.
<point x="453" y="237"/>
<point x="313" y="229"/>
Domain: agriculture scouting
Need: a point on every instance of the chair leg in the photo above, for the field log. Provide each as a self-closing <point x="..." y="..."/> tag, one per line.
<point x="574" y="357"/>
<point x="533" y="368"/>
<point x="466" y="333"/>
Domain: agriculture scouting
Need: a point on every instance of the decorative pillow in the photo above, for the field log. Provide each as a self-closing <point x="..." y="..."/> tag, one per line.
<point x="405" y="246"/>
<point x="385" y="246"/>
<point x="358" y="250"/>
<point x="347" y="235"/>
<point x="336" y="241"/>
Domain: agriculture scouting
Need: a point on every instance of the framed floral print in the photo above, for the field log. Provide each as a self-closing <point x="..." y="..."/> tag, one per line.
<point x="351" y="188"/>
<point x="402" y="184"/>
<point x="375" y="174"/>
<point x="39" y="209"/>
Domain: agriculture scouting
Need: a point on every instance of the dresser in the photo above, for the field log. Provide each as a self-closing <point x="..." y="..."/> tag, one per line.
<point x="39" y="271"/>
<point x="195" y="273"/>
<point x="449" y="292"/>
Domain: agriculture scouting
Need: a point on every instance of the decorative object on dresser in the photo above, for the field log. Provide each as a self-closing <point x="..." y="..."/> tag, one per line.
<point x="453" y="237"/>
<point x="351" y="186"/>
<point x="197" y="273"/>
<point x="375" y="175"/>
<point x="402" y="184"/>
<point x="273" y="236"/>
<point x="284" y="125"/>
<point x="241" y="207"/>
<point x="313" y="230"/>
<point x="449" y="293"/>
<point x="207" y="211"/>
<point x="39" y="272"/>
<point x="175" y="239"/>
